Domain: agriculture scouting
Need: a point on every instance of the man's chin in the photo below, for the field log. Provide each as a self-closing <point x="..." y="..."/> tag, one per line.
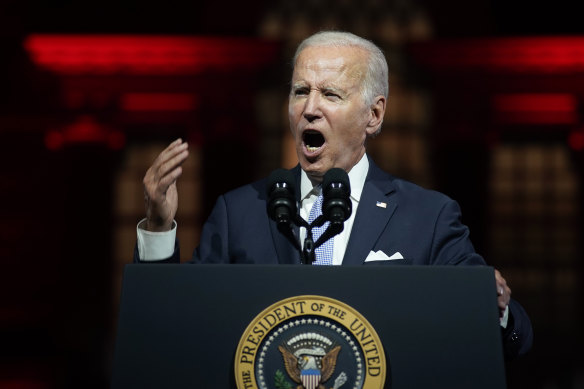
<point x="314" y="173"/>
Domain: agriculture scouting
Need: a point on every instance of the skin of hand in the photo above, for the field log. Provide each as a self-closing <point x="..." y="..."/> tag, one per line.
<point x="503" y="292"/>
<point x="160" y="194"/>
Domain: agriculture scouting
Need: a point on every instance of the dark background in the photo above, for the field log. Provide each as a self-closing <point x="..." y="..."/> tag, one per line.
<point x="57" y="212"/>
<point x="450" y="18"/>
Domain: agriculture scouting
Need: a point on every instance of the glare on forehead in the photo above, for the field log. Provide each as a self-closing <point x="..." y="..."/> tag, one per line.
<point x="329" y="64"/>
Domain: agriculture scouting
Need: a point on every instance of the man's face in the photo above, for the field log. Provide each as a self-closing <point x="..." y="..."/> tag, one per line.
<point x="328" y="117"/>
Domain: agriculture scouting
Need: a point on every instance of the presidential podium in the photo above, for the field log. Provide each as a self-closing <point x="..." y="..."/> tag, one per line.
<point x="228" y="326"/>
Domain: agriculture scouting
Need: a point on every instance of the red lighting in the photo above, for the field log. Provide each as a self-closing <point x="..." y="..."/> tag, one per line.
<point x="24" y="383"/>
<point x="145" y="55"/>
<point x="535" y="108"/>
<point x="158" y="102"/>
<point x="576" y="140"/>
<point x="513" y="55"/>
<point x="84" y="131"/>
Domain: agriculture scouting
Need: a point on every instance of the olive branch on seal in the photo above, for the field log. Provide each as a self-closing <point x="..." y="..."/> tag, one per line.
<point x="280" y="381"/>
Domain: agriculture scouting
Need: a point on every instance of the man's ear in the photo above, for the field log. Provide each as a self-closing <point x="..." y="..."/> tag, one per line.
<point x="377" y="114"/>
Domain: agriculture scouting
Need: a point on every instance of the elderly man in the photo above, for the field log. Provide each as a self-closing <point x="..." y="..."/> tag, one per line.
<point x="337" y="100"/>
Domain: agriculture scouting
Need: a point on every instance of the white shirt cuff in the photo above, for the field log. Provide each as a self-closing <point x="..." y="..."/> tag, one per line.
<point x="503" y="320"/>
<point x="155" y="246"/>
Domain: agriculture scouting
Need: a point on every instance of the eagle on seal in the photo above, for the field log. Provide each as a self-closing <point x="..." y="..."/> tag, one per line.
<point x="304" y="369"/>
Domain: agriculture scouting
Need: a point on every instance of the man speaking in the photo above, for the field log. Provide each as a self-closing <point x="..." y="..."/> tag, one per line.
<point x="338" y="96"/>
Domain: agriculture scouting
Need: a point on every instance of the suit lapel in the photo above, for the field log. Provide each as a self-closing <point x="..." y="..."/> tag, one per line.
<point x="286" y="252"/>
<point x="371" y="218"/>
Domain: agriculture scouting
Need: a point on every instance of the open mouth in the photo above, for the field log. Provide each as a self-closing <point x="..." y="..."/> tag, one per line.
<point x="313" y="140"/>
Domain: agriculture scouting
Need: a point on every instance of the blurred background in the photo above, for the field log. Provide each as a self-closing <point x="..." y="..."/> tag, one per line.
<point x="486" y="105"/>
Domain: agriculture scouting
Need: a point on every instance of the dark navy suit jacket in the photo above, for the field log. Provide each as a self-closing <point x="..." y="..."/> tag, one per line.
<point x="423" y="226"/>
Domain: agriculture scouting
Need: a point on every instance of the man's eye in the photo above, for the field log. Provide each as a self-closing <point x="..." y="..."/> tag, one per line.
<point x="332" y="94"/>
<point x="300" y="92"/>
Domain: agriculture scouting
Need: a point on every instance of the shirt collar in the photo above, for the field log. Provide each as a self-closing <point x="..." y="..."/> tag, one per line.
<point x="357" y="177"/>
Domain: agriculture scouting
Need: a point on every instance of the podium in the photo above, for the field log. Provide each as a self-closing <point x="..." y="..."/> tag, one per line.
<point x="183" y="326"/>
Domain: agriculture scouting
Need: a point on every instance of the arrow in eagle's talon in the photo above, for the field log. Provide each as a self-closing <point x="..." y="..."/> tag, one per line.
<point x="340" y="380"/>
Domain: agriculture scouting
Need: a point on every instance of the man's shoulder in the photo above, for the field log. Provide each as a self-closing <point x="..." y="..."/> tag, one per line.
<point x="413" y="189"/>
<point x="407" y="190"/>
<point x="254" y="190"/>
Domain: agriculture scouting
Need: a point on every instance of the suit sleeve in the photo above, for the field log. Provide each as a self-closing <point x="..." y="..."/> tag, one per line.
<point x="518" y="336"/>
<point x="213" y="246"/>
<point x="452" y="246"/>
<point x="451" y="243"/>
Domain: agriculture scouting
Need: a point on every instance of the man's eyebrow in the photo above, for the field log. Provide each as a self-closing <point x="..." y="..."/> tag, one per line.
<point x="326" y="88"/>
<point x="300" y="84"/>
<point x="332" y="88"/>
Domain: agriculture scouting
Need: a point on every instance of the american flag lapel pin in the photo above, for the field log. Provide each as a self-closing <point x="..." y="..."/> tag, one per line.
<point x="381" y="204"/>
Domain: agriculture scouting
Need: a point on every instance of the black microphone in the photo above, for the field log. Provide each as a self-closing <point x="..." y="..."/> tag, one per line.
<point x="281" y="198"/>
<point x="336" y="192"/>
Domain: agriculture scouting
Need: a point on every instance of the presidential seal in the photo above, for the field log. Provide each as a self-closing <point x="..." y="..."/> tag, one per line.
<point x="310" y="342"/>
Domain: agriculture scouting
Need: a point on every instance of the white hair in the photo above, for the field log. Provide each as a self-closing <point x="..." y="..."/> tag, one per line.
<point x="375" y="82"/>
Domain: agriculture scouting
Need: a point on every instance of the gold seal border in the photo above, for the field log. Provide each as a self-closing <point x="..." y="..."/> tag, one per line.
<point x="309" y="305"/>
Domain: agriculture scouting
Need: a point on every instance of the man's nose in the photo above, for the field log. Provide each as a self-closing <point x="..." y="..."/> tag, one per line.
<point x="312" y="107"/>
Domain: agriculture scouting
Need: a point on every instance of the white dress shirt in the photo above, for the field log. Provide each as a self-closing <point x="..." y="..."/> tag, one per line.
<point x="155" y="246"/>
<point x="309" y="194"/>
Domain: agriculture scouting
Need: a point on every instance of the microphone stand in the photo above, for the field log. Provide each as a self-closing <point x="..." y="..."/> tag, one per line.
<point x="307" y="252"/>
<point x="307" y="255"/>
<point x="285" y="227"/>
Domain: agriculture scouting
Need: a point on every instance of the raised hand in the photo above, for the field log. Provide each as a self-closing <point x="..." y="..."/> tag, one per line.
<point x="160" y="194"/>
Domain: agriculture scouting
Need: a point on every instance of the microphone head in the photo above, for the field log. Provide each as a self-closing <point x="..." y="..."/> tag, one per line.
<point x="280" y="189"/>
<point x="281" y="176"/>
<point x="336" y="190"/>
<point x="336" y="178"/>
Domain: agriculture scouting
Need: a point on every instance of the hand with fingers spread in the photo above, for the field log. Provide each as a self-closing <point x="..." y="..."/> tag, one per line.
<point x="503" y="293"/>
<point x="160" y="194"/>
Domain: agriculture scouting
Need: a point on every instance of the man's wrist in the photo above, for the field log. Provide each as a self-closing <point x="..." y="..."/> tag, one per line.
<point x="149" y="225"/>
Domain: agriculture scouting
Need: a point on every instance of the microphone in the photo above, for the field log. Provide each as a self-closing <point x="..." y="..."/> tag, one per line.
<point x="282" y="208"/>
<point x="336" y="204"/>
<point x="281" y="198"/>
<point x="336" y="191"/>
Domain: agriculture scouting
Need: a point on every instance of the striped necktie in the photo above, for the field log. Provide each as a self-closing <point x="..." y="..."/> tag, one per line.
<point x="324" y="252"/>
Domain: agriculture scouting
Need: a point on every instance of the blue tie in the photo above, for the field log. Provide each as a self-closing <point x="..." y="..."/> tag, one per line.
<point x="324" y="252"/>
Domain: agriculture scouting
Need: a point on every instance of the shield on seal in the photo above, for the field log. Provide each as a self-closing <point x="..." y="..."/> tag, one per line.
<point x="310" y="378"/>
